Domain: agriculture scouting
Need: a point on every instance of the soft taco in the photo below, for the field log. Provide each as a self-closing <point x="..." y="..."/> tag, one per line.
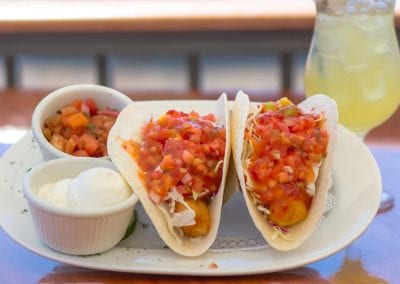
<point x="283" y="157"/>
<point x="176" y="160"/>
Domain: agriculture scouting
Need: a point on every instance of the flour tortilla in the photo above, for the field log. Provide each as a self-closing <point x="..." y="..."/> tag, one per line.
<point x="129" y="126"/>
<point x="300" y="232"/>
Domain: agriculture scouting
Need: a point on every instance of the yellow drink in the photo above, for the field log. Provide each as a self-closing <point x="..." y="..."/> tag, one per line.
<point x="354" y="58"/>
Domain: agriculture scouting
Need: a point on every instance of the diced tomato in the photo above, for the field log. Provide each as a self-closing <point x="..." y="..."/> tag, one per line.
<point x="91" y="104"/>
<point x="181" y="150"/>
<point x="186" y="179"/>
<point x="77" y="104"/>
<point x="260" y="170"/>
<point x="75" y="138"/>
<point x="167" y="163"/>
<point x="80" y="153"/>
<point x="283" y="177"/>
<point x="108" y="112"/>
<point x="89" y="144"/>
<point x="58" y="141"/>
<point x="167" y="181"/>
<point x="77" y="119"/>
<point x="184" y="190"/>
<point x="197" y="184"/>
<point x="154" y="196"/>
<point x="215" y="145"/>
<point x="210" y="117"/>
<point x="272" y="182"/>
<point x="293" y="160"/>
<point x="69" y="110"/>
<point x="70" y="146"/>
<point x="187" y="157"/>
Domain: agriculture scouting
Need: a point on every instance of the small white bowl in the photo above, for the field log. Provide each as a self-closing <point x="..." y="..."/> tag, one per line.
<point x="75" y="231"/>
<point x="48" y="106"/>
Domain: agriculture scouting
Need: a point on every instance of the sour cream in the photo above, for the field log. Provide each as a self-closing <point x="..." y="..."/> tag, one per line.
<point x="93" y="188"/>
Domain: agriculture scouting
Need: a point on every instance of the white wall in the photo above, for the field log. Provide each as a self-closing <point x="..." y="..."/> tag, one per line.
<point x="54" y="71"/>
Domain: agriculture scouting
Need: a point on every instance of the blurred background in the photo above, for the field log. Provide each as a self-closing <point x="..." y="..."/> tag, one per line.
<point x="157" y="49"/>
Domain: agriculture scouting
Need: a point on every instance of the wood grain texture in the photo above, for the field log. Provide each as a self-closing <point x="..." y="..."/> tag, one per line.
<point x="372" y="258"/>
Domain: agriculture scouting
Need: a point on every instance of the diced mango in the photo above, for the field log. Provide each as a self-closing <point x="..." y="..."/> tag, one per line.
<point x="77" y="120"/>
<point x="202" y="219"/>
<point x="294" y="211"/>
<point x="285" y="102"/>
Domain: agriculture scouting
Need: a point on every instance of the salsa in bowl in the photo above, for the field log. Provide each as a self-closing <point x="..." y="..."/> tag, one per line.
<point x="75" y="121"/>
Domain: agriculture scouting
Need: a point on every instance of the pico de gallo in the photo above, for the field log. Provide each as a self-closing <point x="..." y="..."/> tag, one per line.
<point x="284" y="149"/>
<point x="181" y="164"/>
<point x="80" y="128"/>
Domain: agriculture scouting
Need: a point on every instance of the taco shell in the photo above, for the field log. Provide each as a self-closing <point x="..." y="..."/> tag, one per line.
<point x="299" y="232"/>
<point x="129" y="126"/>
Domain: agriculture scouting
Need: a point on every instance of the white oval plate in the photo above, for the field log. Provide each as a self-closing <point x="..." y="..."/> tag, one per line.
<point x="357" y="188"/>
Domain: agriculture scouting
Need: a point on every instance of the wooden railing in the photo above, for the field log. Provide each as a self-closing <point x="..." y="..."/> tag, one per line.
<point x="192" y="45"/>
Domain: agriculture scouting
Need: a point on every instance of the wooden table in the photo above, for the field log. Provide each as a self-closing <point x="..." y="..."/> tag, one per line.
<point x="373" y="258"/>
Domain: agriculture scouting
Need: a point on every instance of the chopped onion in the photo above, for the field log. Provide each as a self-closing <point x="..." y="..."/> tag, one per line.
<point x="288" y="169"/>
<point x="220" y="162"/>
<point x="186" y="179"/>
<point x="263" y="209"/>
<point x="183" y="218"/>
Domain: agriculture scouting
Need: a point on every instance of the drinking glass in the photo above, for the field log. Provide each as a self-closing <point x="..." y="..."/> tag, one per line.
<point x="354" y="58"/>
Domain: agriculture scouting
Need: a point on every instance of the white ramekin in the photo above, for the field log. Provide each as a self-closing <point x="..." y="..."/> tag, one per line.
<point x="48" y="106"/>
<point x="75" y="231"/>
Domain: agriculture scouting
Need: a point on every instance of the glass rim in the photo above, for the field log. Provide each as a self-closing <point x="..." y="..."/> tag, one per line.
<point x="345" y="7"/>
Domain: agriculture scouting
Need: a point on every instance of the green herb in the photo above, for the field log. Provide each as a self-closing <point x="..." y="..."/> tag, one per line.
<point x="289" y="111"/>
<point x="131" y="227"/>
<point x="269" y="106"/>
<point x="28" y="170"/>
<point x="24" y="211"/>
<point x="90" y="255"/>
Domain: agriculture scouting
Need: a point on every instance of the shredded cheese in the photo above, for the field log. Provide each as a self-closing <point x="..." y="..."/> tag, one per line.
<point x="183" y="218"/>
<point x="263" y="209"/>
<point x="220" y="162"/>
<point x="310" y="189"/>
<point x="278" y="233"/>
